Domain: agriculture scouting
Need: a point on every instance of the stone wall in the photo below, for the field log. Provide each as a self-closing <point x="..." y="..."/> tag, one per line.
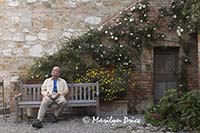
<point x="31" y="28"/>
<point x="198" y="60"/>
<point x="193" y="66"/>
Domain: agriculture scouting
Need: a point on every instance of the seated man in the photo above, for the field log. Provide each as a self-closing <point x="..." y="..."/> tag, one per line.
<point x="53" y="90"/>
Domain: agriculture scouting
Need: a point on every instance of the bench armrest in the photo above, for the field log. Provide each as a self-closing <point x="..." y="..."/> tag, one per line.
<point x="18" y="96"/>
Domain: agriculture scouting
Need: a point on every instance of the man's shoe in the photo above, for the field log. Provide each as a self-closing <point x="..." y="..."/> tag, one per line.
<point x="37" y="124"/>
<point x="53" y="118"/>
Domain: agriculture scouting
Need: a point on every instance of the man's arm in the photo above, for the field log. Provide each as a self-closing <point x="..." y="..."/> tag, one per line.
<point x="44" y="88"/>
<point x="65" y="90"/>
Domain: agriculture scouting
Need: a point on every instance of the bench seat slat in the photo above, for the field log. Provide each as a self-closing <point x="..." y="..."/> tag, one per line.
<point x="80" y="101"/>
<point x="82" y="104"/>
<point x="68" y="102"/>
<point x="36" y="104"/>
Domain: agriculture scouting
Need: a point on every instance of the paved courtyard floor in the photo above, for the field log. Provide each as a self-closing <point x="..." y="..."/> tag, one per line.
<point x="83" y="124"/>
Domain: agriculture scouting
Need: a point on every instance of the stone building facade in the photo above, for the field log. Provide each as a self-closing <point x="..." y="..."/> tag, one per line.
<point x="31" y="28"/>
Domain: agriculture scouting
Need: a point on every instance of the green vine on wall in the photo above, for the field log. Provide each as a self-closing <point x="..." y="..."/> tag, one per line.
<point x="117" y="45"/>
<point x="185" y="19"/>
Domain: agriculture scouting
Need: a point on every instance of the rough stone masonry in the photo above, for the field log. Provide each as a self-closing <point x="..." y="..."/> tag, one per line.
<point x="31" y="28"/>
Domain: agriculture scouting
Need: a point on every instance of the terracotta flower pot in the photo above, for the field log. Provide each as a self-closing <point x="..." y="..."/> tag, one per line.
<point x="156" y="116"/>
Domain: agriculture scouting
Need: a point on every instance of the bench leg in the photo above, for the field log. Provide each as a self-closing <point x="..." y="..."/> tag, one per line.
<point x="98" y="110"/>
<point x="16" y="110"/>
<point x="98" y="107"/>
<point x="17" y="114"/>
<point x="21" y="114"/>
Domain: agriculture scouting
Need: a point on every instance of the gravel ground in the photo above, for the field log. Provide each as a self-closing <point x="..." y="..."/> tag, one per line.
<point x="84" y="124"/>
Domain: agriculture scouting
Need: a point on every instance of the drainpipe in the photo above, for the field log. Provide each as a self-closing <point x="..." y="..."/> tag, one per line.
<point x="199" y="61"/>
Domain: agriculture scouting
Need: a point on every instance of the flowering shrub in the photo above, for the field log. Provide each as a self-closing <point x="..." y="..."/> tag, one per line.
<point x="112" y="83"/>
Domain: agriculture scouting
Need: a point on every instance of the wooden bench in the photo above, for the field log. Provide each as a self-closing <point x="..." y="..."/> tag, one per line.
<point x="80" y="94"/>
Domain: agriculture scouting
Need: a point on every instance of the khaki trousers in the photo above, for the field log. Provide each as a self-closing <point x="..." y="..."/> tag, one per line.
<point x="46" y="102"/>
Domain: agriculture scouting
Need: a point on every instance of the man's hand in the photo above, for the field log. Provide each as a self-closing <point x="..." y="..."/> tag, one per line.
<point x="56" y="96"/>
<point x="53" y="96"/>
<point x="49" y="95"/>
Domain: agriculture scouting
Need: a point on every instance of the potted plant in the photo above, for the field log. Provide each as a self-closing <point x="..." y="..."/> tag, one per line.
<point x="113" y="88"/>
<point x="154" y="112"/>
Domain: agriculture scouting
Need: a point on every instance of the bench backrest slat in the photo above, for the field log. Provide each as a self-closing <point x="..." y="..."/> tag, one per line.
<point x="34" y="94"/>
<point x="84" y="90"/>
<point x="25" y="97"/>
<point x="71" y="95"/>
<point x="88" y="93"/>
<point x="78" y="91"/>
<point x="93" y="92"/>
<point x="39" y="94"/>
<point x="30" y="94"/>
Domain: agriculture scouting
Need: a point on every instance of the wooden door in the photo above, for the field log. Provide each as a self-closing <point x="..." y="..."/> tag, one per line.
<point x="165" y="70"/>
